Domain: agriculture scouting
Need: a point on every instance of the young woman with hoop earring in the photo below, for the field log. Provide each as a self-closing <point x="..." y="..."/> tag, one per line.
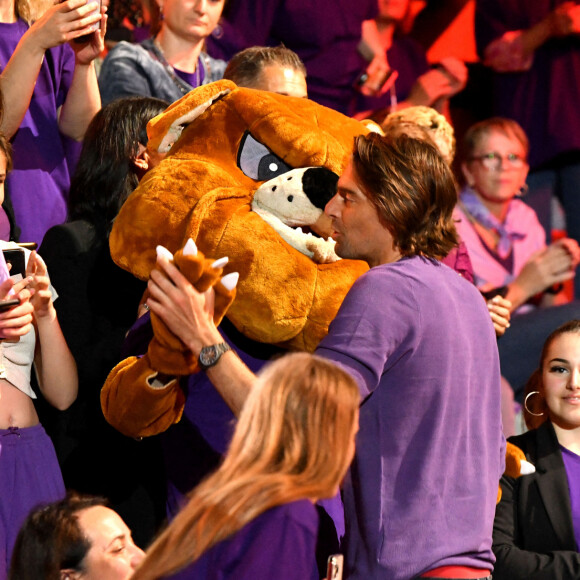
<point x="537" y="523"/>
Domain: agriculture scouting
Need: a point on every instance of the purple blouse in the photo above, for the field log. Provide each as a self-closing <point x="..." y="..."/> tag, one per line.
<point x="572" y="465"/>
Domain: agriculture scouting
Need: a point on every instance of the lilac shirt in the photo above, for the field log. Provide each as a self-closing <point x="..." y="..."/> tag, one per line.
<point x="430" y="451"/>
<point x="488" y="272"/>
<point x="324" y="33"/>
<point x="279" y="543"/>
<point x="572" y="465"/>
<point x="40" y="180"/>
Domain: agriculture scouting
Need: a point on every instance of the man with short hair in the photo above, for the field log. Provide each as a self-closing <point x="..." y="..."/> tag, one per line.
<point x="420" y="496"/>
<point x="274" y="69"/>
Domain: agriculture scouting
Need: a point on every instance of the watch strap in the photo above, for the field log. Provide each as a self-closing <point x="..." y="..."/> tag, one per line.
<point x="210" y="355"/>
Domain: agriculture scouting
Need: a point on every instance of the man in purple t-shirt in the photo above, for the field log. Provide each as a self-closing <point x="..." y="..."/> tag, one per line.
<point x="420" y="497"/>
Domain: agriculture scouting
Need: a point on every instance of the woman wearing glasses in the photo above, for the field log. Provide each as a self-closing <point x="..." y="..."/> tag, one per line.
<point x="507" y="245"/>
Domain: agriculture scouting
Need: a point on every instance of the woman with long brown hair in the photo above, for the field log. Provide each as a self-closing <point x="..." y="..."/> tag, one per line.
<point x="254" y="517"/>
<point x="536" y="533"/>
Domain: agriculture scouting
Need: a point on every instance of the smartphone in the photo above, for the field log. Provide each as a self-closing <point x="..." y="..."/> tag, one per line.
<point x="28" y="245"/>
<point x="15" y="257"/>
<point x="4" y="273"/>
<point x="87" y="37"/>
<point x="334" y="567"/>
<point x="7" y="304"/>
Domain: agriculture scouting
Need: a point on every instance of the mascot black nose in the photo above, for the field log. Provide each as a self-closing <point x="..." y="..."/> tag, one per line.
<point x="319" y="185"/>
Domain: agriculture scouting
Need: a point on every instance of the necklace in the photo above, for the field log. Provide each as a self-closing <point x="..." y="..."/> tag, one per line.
<point x="203" y="65"/>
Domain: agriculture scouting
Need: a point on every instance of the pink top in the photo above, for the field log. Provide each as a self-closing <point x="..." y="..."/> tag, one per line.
<point x="488" y="271"/>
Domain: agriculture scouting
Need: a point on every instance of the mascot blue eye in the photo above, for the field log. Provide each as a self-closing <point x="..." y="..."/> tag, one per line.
<point x="258" y="162"/>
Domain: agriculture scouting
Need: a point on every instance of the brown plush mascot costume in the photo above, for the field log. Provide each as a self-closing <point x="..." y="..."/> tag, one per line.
<point x="247" y="176"/>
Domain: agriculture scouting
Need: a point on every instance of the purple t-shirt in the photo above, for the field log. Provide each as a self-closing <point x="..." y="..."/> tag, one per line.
<point x="39" y="183"/>
<point x="572" y="465"/>
<point x="279" y="543"/>
<point x="422" y="488"/>
<point x="324" y="33"/>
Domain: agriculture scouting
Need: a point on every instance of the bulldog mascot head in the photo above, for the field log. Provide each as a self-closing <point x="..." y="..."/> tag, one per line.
<point x="247" y="175"/>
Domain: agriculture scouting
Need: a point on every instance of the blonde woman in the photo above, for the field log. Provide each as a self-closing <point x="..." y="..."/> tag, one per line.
<point x="255" y="516"/>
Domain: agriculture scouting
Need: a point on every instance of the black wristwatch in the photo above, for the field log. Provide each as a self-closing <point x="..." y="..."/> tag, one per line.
<point x="210" y="355"/>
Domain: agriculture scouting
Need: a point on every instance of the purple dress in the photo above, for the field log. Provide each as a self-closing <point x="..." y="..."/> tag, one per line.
<point x="430" y="451"/>
<point x="324" y="33"/>
<point x="39" y="183"/>
<point x="279" y="543"/>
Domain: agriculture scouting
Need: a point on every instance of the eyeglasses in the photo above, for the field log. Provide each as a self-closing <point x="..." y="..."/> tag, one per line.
<point x="493" y="161"/>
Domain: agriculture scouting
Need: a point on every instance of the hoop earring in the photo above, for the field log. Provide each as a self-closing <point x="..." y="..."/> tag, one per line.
<point x="218" y="31"/>
<point x="524" y="190"/>
<point x="526" y="404"/>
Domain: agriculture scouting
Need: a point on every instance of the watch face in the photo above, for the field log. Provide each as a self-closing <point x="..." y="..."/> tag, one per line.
<point x="208" y="355"/>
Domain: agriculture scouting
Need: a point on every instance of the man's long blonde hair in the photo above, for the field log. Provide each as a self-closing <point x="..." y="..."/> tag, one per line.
<point x="292" y="441"/>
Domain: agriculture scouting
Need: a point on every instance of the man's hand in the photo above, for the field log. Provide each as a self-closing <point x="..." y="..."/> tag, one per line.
<point x="438" y="83"/>
<point x="187" y="313"/>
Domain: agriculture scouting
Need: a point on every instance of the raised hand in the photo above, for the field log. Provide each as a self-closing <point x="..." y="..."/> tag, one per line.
<point x="41" y="299"/>
<point x="64" y="22"/>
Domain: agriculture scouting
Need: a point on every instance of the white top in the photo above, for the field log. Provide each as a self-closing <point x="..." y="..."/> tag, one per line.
<point x="16" y="358"/>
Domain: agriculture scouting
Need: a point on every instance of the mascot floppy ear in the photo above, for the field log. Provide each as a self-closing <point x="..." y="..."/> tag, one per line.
<point x="515" y="464"/>
<point x="165" y="129"/>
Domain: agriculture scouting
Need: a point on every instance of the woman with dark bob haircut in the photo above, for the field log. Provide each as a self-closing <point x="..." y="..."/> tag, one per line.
<point x="97" y="304"/>
<point x="76" y="537"/>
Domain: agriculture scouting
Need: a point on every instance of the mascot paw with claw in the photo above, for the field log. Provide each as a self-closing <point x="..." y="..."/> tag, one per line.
<point x="515" y="464"/>
<point x="167" y="352"/>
